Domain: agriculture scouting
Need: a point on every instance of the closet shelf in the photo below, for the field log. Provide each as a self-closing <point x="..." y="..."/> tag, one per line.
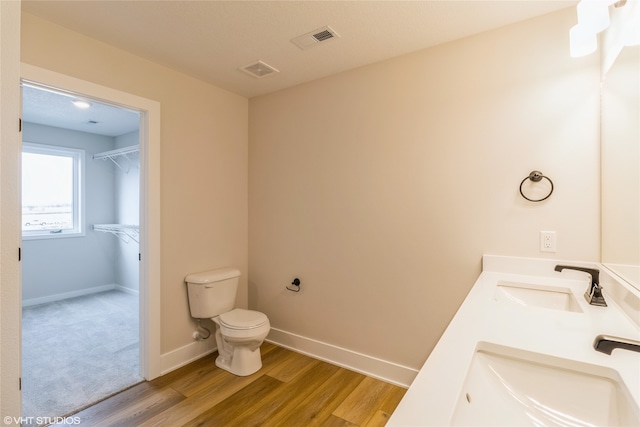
<point x="119" y="154"/>
<point x="123" y="232"/>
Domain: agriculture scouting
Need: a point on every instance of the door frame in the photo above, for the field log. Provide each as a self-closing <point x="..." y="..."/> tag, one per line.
<point x="149" y="110"/>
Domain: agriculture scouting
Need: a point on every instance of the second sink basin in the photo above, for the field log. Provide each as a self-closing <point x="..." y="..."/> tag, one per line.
<point x="508" y="387"/>
<point x="553" y="297"/>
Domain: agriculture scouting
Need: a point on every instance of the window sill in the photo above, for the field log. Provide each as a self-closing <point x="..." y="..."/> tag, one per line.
<point x="45" y="236"/>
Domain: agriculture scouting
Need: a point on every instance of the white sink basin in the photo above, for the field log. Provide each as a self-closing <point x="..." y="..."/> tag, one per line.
<point x="553" y="297"/>
<point x="510" y="387"/>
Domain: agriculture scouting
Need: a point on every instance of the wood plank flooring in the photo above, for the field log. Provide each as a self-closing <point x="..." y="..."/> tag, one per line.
<point x="290" y="390"/>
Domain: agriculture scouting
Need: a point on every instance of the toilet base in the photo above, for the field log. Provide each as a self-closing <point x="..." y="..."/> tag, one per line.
<point x="243" y="362"/>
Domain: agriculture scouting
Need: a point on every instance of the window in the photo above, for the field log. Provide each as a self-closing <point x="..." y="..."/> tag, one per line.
<point x="51" y="191"/>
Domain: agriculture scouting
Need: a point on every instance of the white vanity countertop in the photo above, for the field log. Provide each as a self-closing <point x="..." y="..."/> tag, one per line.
<point x="431" y="399"/>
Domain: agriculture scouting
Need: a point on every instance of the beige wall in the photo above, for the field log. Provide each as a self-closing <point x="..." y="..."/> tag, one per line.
<point x="381" y="187"/>
<point x="203" y="160"/>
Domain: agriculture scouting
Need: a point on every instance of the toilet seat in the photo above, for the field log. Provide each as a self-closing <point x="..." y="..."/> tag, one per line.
<point x="241" y="319"/>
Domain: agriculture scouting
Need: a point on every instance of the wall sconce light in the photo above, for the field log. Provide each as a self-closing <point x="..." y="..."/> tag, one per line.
<point x="593" y="18"/>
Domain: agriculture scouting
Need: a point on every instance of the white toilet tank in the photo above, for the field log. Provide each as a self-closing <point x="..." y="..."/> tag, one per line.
<point x="213" y="292"/>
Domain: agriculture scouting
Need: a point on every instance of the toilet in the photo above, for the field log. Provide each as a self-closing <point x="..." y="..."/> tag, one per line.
<point x="239" y="332"/>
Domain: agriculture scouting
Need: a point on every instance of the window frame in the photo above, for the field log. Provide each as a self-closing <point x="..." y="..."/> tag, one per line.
<point x="78" y="156"/>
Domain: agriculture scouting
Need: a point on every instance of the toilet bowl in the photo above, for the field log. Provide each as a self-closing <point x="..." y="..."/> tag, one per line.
<point x="239" y="332"/>
<point x="239" y="335"/>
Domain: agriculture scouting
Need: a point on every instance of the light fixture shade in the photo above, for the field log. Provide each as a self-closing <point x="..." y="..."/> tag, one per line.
<point x="593" y="14"/>
<point x="583" y="41"/>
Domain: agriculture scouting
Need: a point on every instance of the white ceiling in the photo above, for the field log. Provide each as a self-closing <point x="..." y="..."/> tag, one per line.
<point x="46" y="107"/>
<point x="211" y="40"/>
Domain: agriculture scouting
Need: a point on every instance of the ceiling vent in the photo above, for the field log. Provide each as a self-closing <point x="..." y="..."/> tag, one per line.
<point x="316" y="37"/>
<point x="259" y="69"/>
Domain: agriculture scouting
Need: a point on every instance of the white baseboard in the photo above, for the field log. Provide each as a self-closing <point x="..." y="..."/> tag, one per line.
<point x="66" y="295"/>
<point x="186" y="354"/>
<point x="383" y="370"/>
<point x="127" y="290"/>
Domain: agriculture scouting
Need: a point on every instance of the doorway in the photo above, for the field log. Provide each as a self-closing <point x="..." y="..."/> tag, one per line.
<point x="147" y="254"/>
<point x="80" y="233"/>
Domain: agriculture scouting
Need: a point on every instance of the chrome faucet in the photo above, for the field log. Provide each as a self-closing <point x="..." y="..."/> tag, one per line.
<point x="593" y="294"/>
<point x="606" y="344"/>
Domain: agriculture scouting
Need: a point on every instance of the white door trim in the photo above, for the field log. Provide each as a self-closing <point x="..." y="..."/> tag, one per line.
<point x="149" y="198"/>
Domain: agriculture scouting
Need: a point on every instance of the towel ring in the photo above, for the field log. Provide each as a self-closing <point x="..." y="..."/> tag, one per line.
<point x="536" y="176"/>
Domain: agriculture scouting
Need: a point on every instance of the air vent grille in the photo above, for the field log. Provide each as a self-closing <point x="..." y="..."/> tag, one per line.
<point x="316" y="37"/>
<point x="259" y="69"/>
<point x="323" y="35"/>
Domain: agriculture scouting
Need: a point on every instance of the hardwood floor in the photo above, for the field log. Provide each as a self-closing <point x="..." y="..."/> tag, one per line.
<point x="290" y="390"/>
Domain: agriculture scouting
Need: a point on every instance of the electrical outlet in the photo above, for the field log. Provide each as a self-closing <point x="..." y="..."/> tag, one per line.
<point x="547" y="241"/>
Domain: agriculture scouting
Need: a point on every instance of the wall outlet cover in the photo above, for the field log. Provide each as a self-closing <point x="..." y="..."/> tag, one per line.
<point x="547" y="241"/>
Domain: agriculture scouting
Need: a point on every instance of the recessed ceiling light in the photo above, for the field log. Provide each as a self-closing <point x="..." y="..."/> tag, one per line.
<point x="81" y="104"/>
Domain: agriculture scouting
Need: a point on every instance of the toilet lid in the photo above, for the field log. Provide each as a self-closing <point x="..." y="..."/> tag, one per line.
<point x="243" y="319"/>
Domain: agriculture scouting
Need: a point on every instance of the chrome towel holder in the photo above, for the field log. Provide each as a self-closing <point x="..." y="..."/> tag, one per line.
<point x="536" y="176"/>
